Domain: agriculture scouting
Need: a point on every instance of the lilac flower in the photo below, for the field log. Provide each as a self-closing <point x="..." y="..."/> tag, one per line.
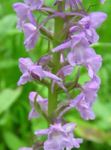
<point x="97" y="18"/>
<point x="89" y="31"/>
<point x="24" y="14"/>
<point x="22" y="11"/>
<point x="32" y="71"/>
<point x="24" y="65"/>
<point x="81" y="55"/>
<point x="64" y="71"/>
<point x="26" y="148"/>
<point x="102" y="1"/>
<point x="34" y="4"/>
<point x="90" y="23"/>
<point x="60" y="137"/>
<point x="83" y="102"/>
<point x="78" y="39"/>
<point x="41" y="101"/>
<point x="44" y="60"/>
<point x="31" y="35"/>
<point x="30" y="29"/>
<point x="63" y="46"/>
<point x="85" y="28"/>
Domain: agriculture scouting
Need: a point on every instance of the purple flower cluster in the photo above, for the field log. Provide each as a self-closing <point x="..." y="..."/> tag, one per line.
<point x="33" y="71"/>
<point x="72" y="48"/>
<point x="60" y="137"/>
<point x="27" y="22"/>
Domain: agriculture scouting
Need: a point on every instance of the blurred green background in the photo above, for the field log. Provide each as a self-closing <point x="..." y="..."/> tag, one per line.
<point x="15" y="128"/>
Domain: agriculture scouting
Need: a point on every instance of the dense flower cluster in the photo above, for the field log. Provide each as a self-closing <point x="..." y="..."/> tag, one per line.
<point x="71" y="41"/>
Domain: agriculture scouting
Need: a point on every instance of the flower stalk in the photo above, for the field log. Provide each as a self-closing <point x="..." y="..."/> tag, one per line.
<point x="73" y="37"/>
<point x="58" y="27"/>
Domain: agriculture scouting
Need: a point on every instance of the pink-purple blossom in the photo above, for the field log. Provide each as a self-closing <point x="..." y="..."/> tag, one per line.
<point x="34" y="97"/>
<point x="102" y="1"/>
<point x="34" y="4"/>
<point x="60" y="137"/>
<point x="32" y="71"/>
<point x="26" y="148"/>
<point x="83" y="102"/>
<point x="31" y="35"/>
<point x="27" y="22"/>
<point x="24" y="14"/>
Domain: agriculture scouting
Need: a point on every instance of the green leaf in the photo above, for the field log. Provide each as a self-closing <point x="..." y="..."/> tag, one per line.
<point x="12" y="141"/>
<point x="7" y="25"/>
<point x="2" y="146"/>
<point x="11" y="63"/>
<point x="7" y="98"/>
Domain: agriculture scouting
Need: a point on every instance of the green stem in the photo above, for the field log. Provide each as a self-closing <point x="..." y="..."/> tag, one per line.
<point x="52" y="95"/>
<point x="47" y="33"/>
<point x="52" y="102"/>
